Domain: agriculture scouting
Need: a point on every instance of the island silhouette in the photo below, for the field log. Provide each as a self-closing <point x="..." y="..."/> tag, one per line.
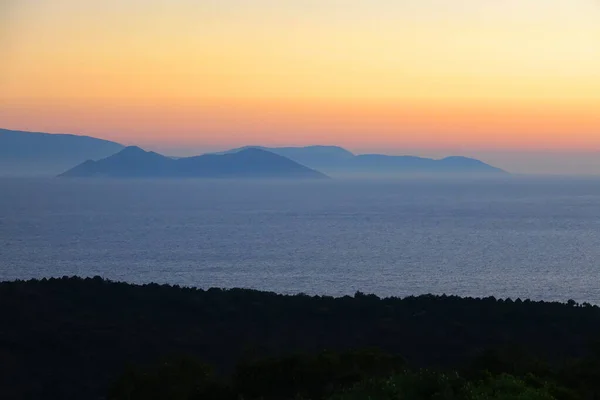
<point x="33" y="153"/>
<point x="37" y="154"/>
<point x="134" y="162"/>
<point x="337" y="160"/>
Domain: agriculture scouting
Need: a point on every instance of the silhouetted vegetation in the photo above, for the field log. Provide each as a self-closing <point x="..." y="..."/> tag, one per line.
<point x="184" y="380"/>
<point x="75" y="338"/>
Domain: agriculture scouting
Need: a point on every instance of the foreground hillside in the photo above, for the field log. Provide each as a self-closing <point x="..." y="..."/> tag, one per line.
<point x="72" y="338"/>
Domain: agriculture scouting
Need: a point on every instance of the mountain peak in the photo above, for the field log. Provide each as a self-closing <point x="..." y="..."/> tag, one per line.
<point x="133" y="150"/>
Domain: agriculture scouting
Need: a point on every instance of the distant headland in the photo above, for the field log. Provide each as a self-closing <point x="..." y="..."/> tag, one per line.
<point x="43" y="154"/>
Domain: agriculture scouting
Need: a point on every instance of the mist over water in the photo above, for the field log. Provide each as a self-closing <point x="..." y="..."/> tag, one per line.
<point x="516" y="237"/>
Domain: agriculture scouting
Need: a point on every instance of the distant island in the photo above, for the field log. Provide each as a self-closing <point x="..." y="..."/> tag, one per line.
<point x="337" y="160"/>
<point x="134" y="162"/>
<point x="44" y="154"/>
<point x="35" y="153"/>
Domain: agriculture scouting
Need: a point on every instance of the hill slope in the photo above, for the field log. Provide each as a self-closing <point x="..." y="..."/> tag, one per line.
<point x="35" y="153"/>
<point x="133" y="162"/>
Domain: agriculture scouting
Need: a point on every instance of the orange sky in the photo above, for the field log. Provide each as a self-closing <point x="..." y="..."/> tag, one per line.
<point x="429" y="74"/>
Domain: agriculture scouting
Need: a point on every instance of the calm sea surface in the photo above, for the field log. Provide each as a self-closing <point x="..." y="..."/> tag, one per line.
<point x="537" y="239"/>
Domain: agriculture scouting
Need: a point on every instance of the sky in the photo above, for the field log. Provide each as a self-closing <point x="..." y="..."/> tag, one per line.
<point x="511" y="81"/>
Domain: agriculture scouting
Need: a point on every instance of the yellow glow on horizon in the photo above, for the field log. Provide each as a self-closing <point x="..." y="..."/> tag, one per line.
<point x="478" y="72"/>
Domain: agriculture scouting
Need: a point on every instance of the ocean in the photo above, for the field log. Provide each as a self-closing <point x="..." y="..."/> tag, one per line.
<point x="515" y="237"/>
